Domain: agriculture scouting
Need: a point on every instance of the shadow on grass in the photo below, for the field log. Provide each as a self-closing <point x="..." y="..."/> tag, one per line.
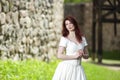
<point x="111" y="64"/>
<point x="107" y="64"/>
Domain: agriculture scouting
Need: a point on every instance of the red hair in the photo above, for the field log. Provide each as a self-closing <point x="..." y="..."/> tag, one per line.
<point x="65" y="32"/>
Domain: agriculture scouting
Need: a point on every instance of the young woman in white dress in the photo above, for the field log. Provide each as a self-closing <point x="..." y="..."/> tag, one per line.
<point x="75" y="47"/>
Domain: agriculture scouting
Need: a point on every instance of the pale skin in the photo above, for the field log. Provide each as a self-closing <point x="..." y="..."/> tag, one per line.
<point x="71" y="36"/>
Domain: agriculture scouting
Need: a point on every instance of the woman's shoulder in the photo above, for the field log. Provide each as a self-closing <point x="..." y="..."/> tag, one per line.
<point x="62" y="37"/>
<point x="63" y="41"/>
<point x="83" y="38"/>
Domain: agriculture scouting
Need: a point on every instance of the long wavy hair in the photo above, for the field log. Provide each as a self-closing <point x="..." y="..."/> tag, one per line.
<point x="65" y="32"/>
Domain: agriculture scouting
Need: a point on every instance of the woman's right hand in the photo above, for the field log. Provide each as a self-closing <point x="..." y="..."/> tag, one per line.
<point x="78" y="54"/>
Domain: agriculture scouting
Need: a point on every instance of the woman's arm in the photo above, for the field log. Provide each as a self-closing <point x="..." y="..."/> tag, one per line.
<point x="62" y="56"/>
<point x="86" y="53"/>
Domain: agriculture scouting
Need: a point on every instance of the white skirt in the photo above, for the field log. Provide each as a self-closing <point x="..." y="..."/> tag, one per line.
<point x="69" y="70"/>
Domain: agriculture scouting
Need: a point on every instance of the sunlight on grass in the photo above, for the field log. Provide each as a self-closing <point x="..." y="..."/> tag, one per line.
<point x="96" y="72"/>
<point x="26" y="70"/>
<point x="38" y="70"/>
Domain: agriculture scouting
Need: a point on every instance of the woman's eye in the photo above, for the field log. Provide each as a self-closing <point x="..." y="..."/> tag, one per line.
<point x="66" y="24"/>
<point x="70" y="23"/>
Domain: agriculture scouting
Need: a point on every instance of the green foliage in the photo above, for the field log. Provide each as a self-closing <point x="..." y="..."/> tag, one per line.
<point x="76" y="1"/>
<point x="115" y="55"/>
<point x="38" y="70"/>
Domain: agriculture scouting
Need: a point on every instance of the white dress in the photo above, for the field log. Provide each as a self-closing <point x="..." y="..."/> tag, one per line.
<point x="70" y="69"/>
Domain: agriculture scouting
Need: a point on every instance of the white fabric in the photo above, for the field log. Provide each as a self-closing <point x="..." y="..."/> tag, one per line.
<point x="70" y="69"/>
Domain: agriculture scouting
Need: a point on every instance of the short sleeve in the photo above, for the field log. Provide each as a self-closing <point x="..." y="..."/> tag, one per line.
<point x="63" y="42"/>
<point x="84" y="41"/>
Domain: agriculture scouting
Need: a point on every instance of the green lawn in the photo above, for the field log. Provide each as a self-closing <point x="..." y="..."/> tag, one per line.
<point x="76" y="1"/>
<point x="38" y="70"/>
<point x="96" y="72"/>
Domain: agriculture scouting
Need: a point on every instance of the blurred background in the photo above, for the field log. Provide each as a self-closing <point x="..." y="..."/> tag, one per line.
<point x="31" y="29"/>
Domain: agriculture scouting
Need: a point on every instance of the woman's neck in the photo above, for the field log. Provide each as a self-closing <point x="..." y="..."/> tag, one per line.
<point x="71" y="34"/>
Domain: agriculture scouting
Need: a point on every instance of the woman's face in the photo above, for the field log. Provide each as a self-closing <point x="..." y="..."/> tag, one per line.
<point x="69" y="25"/>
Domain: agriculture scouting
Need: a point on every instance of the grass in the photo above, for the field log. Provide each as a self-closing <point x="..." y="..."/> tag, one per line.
<point x="38" y="70"/>
<point x="76" y="1"/>
<point x="96" y="72"/>
<point x="26" y="70"/>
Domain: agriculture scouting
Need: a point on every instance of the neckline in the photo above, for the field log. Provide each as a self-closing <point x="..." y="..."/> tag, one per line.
<point x="72" y="41"/>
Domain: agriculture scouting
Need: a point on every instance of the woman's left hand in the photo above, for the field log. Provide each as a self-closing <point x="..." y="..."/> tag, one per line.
<point x="81" y="51"/>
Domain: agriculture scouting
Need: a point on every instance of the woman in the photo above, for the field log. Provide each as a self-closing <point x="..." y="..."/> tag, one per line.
<point x="75" y="46"/>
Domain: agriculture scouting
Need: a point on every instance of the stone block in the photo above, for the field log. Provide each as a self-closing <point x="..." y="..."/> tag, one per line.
<point x="2" y="18"/>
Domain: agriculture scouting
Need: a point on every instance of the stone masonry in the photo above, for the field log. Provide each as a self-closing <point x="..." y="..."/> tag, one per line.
<point x="29" y="28"/>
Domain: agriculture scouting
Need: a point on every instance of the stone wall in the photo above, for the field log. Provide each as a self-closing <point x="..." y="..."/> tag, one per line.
<point x="29" y="28"/>
<point x="83" y="13"/>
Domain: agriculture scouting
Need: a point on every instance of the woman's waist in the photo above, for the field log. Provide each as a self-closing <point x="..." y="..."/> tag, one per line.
<point x="72" y="62"/>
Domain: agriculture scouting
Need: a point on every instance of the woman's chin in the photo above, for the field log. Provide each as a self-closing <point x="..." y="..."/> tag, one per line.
<point x="71" y="30"/>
